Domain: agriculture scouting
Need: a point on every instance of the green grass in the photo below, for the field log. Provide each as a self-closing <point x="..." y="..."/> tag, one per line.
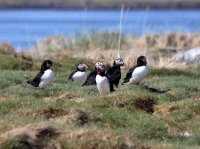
<point x="14" y="62"/>
<point x="131" y="116"/>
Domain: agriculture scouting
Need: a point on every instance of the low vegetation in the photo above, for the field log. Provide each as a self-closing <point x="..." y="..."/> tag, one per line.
<point x="67" y="115"/>
<point x="95" y="45"/>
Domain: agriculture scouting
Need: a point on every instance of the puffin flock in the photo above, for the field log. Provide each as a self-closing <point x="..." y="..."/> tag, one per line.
<point x="105" y="81"/>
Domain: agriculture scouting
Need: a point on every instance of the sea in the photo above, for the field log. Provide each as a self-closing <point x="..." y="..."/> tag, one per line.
<point x="24" y="28"/>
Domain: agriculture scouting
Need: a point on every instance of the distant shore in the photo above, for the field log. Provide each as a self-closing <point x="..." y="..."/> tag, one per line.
<point x="97" y="4"/>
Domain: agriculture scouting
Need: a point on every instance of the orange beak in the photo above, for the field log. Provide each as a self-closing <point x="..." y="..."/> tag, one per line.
<point x="124" y="64"/>
<point x="98" y="69"/>
<point x="86" y="66"/>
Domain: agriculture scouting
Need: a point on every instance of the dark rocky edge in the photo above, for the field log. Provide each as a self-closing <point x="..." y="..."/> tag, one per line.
<point x="88" y="4"/>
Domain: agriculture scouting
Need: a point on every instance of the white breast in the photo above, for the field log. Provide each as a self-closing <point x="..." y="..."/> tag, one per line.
<point x="79" y="76"/>
<point x="46" y="78"/>
<point x="103" y="84"/>
<point x="138" y="74"/>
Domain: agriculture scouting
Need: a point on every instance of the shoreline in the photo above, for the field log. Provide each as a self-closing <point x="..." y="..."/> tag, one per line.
<point x="100" y="5"/>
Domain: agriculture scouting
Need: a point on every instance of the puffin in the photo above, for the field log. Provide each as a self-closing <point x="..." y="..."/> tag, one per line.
<point x="114" y="73"/>
<point x="44" y="77"/>
<point x="90" y="80"/>
<point x="138" y="72"/>
<point x="104" y="84"/>
<point x="79" y="74"/>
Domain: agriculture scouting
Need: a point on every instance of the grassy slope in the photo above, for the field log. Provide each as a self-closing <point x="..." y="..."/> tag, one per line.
<point x="72" y="116"/>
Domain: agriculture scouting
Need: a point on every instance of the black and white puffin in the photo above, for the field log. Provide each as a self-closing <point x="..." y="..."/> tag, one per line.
<point x="104" y="84"/>
<point x="114" y="73"/>
<point x="79" y="74"/>
<point x="90" y="80"/>
<point x="44" y="77"/>
<point x="137" y="72"/>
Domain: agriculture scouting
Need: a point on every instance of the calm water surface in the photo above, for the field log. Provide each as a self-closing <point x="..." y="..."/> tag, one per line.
<point x="24" y="27"/>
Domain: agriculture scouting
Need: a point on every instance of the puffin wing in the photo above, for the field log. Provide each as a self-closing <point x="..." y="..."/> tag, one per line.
<point x="114" y="75"/>
<point x="36" y="81"/>
<point x="91" y="79"/>
<point x="129" y="74"/>
<point x="70" y="77"/>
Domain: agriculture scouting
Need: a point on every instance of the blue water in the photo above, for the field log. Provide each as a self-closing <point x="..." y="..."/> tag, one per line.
<point x="24" y="27"/>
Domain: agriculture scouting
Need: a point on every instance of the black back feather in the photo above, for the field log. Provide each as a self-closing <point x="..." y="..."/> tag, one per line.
<point x="91" y="78"/>
<point x="114" y="74"/>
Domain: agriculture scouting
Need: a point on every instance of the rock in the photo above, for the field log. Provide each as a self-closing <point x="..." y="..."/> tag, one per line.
<point x="170" y="49"/>
<point x="191" y="56"/>
<point x="185" y="133"/>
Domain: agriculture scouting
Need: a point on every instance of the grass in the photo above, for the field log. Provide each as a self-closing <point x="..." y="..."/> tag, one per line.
<point x="67" y="115"/>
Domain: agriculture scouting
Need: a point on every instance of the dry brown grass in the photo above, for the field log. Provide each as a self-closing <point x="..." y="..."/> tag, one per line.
<point x="5" y="47"/>
<point x="51" y="46"/>
<point x="162" y="110"/>
<point x="177" y="40"/>
<point x="166" y="62"/>
<point x="58" y="47"/>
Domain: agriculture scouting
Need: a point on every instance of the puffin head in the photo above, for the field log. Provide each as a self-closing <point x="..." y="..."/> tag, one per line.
<point x="119" y="62"/>
<point x="82" y="66"/>
<point x="142" y="61"/>
<point x="47" y="64"/>
<point x="101" y="69"/>
<point x="97" y="64"/>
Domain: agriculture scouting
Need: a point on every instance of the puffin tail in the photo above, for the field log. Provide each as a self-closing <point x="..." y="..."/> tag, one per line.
<point x="125" y="81"/>
<point x="31" y="82"/>
<point x="154" y="90"/>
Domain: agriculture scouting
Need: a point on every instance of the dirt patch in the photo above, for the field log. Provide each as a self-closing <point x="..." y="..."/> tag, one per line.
<point x="84" y="117"/>
<point x="145" y="104"/>
<point x="64" y="97"/>
<point x="5" y="97"/>
<point x="197" y="97"/>
<point x="52" y="113"/>
<point x="163" y="110"/>
<point x="26" y="112"/>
